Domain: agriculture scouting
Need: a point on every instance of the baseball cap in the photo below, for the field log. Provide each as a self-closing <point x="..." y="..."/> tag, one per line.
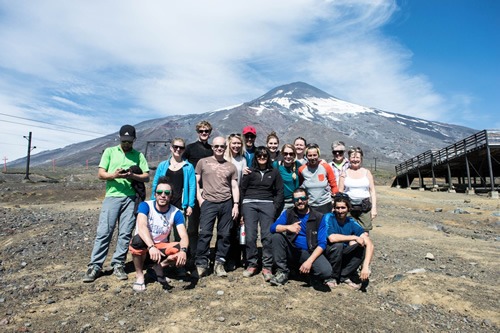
<point x="249" y="129"/>
<point x="127" y="133"/>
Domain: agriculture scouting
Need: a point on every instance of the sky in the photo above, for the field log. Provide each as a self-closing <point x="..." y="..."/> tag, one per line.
<point x="72" y="71"/>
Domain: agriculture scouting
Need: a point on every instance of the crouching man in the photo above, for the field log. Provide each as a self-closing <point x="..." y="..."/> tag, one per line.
<point x="299" y="238"/>
<point x="155" y="220"/>
<point x="348" y="243"/>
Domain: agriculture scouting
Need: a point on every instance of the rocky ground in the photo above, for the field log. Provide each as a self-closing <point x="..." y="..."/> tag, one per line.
<point x="436" y="269"/>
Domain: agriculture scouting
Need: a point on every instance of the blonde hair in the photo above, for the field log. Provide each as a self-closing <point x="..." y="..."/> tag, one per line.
<point x="228" y="155"/>
<point x="203" y="123"/>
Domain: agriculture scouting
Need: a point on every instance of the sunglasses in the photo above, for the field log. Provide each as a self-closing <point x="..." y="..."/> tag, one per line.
<point x="289" y="154"/>
<point x="338" y="152"/>
<point x="250" y="136"/>
<point x="128" y="142"/>
<point x="302" y="198"/>
<point x="262" y="157"/>
<point x="219" y="146"/>
<point x="160" y="192"/>
<point x="341" y="195"/>
<point x="204" y="131"/>
<point x="175" y="147"/>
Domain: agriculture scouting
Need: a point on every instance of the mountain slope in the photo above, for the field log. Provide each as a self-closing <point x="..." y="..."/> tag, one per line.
<point x="291" y="110"/>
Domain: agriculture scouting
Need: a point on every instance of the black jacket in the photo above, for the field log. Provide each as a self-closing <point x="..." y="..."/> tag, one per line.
<point x="312" y="226"/>
<point x="267" y="186"/>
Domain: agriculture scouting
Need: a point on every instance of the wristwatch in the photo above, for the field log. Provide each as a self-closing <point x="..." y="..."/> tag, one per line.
<point x="184" y="249"/>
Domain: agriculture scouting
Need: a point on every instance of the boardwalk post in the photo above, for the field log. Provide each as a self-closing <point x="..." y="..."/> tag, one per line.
<point x="470" y="190"/>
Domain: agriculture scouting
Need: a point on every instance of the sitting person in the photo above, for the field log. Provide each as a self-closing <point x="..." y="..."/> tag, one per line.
<point x="299" y="237"/>
<point x="155" y="220"/>
<point x="347" y="244"/>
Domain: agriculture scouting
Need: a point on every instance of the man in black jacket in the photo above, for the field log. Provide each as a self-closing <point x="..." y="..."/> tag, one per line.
<point x="193" y="153"/>
<point x="299" y="237"/>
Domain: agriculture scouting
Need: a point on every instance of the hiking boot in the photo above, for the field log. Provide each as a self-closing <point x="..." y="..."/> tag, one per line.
<point x="279" y="279"/>
<point x="332" y="283"/>
<point x="267" y="274"/>
<point x="250" y="271"/>
<point x="219" y="269"/>
<point x="201" y="271"/>
<point x="91" y="274"/>
<point x="351" y="284"/>
<point x="119" y="272"/>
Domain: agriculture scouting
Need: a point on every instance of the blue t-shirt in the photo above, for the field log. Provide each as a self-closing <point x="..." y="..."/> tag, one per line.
<point x="349" y="228"/>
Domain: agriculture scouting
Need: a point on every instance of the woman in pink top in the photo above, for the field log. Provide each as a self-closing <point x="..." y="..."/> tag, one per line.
<point x="357" y="183"/>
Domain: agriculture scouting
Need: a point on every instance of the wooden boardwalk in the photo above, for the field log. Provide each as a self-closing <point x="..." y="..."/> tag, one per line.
<point x="469" y="164"/>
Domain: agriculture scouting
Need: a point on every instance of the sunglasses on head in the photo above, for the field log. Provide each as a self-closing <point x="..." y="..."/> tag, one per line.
<point x="204" y="131"/>
<point x="219" y="146"/>
<point x="175" y="147"/>
<point x="160" y="192"/>
<point x="341" y="195"/>
<point x="302" y="198"/>
<point x="232" y="135"/>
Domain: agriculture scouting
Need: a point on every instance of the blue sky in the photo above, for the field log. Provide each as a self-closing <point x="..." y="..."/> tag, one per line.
<point x="88" y="67"/>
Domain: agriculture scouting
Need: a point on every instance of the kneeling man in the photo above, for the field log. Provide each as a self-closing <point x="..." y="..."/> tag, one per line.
<point x="347" y="244"/>
<point x="299" y="237"/>
<point x="155" y="220"/>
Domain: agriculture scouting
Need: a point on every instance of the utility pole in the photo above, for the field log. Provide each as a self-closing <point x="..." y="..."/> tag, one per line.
<point x="27" y="177"/>
<point x="5" y="159"/>
<point x="375" y="163"/>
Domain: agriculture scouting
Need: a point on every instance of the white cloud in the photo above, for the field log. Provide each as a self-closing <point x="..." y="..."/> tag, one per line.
<point x="80" y="61"/>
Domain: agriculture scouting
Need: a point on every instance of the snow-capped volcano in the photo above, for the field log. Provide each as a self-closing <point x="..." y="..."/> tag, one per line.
<point x="291" y="110"/>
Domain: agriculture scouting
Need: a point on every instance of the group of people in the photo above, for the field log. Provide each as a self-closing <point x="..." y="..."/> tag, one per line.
<point x="313" y="216"/>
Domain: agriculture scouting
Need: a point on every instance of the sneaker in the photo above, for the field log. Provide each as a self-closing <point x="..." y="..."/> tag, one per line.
<point x="119" y="272"/>
<point x="201" y="271"/>
<point x="331" y="283"/>
<point x="91" y="274"/>
<point x="219" y="269"/>
<point x="250" y="271"/>
<point x="267" y="274"/>
<point x="351" y="284"/>
<point x="279" y="279"/>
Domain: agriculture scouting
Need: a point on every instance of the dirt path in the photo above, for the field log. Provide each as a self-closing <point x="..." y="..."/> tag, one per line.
<point x="45" y="247"/>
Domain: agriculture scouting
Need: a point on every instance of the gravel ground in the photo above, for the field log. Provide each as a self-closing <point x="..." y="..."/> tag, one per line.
<point x="47" y="231"/>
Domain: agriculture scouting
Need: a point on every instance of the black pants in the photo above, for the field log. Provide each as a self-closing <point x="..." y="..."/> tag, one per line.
<point x="211" y="211"/>
<point x="344" y="260"/>
<point x="286" y="255"/>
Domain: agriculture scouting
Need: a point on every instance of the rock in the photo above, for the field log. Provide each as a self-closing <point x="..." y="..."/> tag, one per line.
<point x="122" y="322"/>
<point x="398" y="277"/>
<point x="467" y="201"/>
<point x="416" y="271"/>
<point x="221" y="319"/>
<point x="438" y="210"/>
<point x="430" y="256"/>
<point x="495" y="213"/>
<point x="220" y="292"/>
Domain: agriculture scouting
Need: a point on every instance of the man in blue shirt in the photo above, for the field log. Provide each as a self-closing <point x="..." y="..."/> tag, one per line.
<point x="347" y="244"/>
<point x="299" y="237"/>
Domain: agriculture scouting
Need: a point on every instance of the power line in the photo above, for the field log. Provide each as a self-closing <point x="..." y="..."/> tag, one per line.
<point x="46" y="122"/>
<point x="52" y="129"/>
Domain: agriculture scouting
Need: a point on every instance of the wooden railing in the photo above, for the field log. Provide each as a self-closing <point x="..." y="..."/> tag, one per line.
<point x="459" y="148"/>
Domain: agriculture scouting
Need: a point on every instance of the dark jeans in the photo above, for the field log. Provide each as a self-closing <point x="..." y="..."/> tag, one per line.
<point x="193" y="229"/>
<point x="210" y="211"/>
<point x="286" y="255"/>
<point x="253" y="214"/>
<point x="344" y="260"/>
